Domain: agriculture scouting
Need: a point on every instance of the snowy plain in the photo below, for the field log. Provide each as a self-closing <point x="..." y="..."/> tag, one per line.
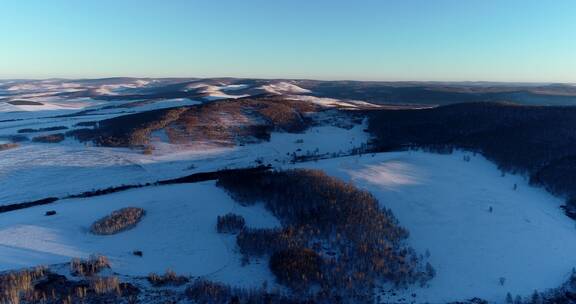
<point x="445" y="203"/>
<point x="178" y="233"/>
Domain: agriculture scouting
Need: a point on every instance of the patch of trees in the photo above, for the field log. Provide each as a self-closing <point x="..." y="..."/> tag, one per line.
<point x="128" y="130"/>
<point x="564" y="294"/>
<point x="169" y="278"/>
<point x="16" y="285"/>
<point x="230" y="223"/>
<point x="21" y="102"/>
<point x="18" y="206"/>
<point x="242" y="120"/>
<point x="109" y="190"/>
<point x="357" y="242"/>
<point x="296" y="267"/>
<point x="537" y="141"/>
<point x="118" y="221"/>
<point x="40" y="285"/>
<point x="89" y="267"/>
<point x="8" y="146"/>
<point x="225" y="121"/>
<point x="50" y="138"/>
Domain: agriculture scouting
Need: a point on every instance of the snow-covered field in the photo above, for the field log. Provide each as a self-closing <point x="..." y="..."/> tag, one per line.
<point x="68" y="168"/>
<point x="178" y="233"/>
<point x="445" y="203"/>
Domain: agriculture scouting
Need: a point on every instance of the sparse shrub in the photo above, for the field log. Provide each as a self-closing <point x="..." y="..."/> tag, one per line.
<point x="104" y="285"/>
<point x="169" y="278"/>
<point x="230" y="223"/>
<point x="93" y="265"/>
<point x="117" y="221"/>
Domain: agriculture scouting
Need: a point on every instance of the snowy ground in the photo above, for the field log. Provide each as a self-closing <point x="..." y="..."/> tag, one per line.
<point x="68" y="168"/>
<point x="444" y="202"/>
<point x="178" y="233"/>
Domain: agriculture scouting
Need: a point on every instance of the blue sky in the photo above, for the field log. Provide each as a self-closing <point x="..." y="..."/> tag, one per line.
<point x="492" y="40"/>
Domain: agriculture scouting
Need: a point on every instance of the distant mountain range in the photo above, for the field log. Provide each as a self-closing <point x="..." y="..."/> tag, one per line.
<point x="425" y="93"/>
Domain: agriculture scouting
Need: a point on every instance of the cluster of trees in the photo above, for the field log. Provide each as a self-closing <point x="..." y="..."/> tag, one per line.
<point x="129" y="130"/>
<point x="40" y="285"/>
<point x="243" y="120"/>
<point x="168" y="278"/>
<point x="118" y="221"/>
<point x="260" y="242"/>
<point x="564" y="294"/>
<point x="358" y="242"/>
<point x="230" y="223"/>
<point x="8" y="146"/>
<point x="89" y="267"/>
<point x="537" y="141"/>
<point x="296" y="267"/>
<point x="19" y="284"/>
<point x="225" y="121"/>
<point x="315" y="155"/>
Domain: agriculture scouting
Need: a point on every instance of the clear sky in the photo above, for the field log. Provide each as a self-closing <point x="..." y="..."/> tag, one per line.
<point x="492" y="40"/>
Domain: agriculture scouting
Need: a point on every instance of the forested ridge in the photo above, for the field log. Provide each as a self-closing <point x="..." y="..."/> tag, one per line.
<point x="538" y="141"/>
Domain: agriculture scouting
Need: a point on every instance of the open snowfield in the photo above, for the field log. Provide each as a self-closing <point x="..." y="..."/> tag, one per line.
<point x="45" y="170"/>
<point x="445" y="204"/>
<point x="178" y="232"/>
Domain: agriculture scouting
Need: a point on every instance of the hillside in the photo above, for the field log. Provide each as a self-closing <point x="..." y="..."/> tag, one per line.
<point x="539" y="142"/>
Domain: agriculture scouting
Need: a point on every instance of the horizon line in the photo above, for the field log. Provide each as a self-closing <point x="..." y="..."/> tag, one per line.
<point x="282" y="78"/>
